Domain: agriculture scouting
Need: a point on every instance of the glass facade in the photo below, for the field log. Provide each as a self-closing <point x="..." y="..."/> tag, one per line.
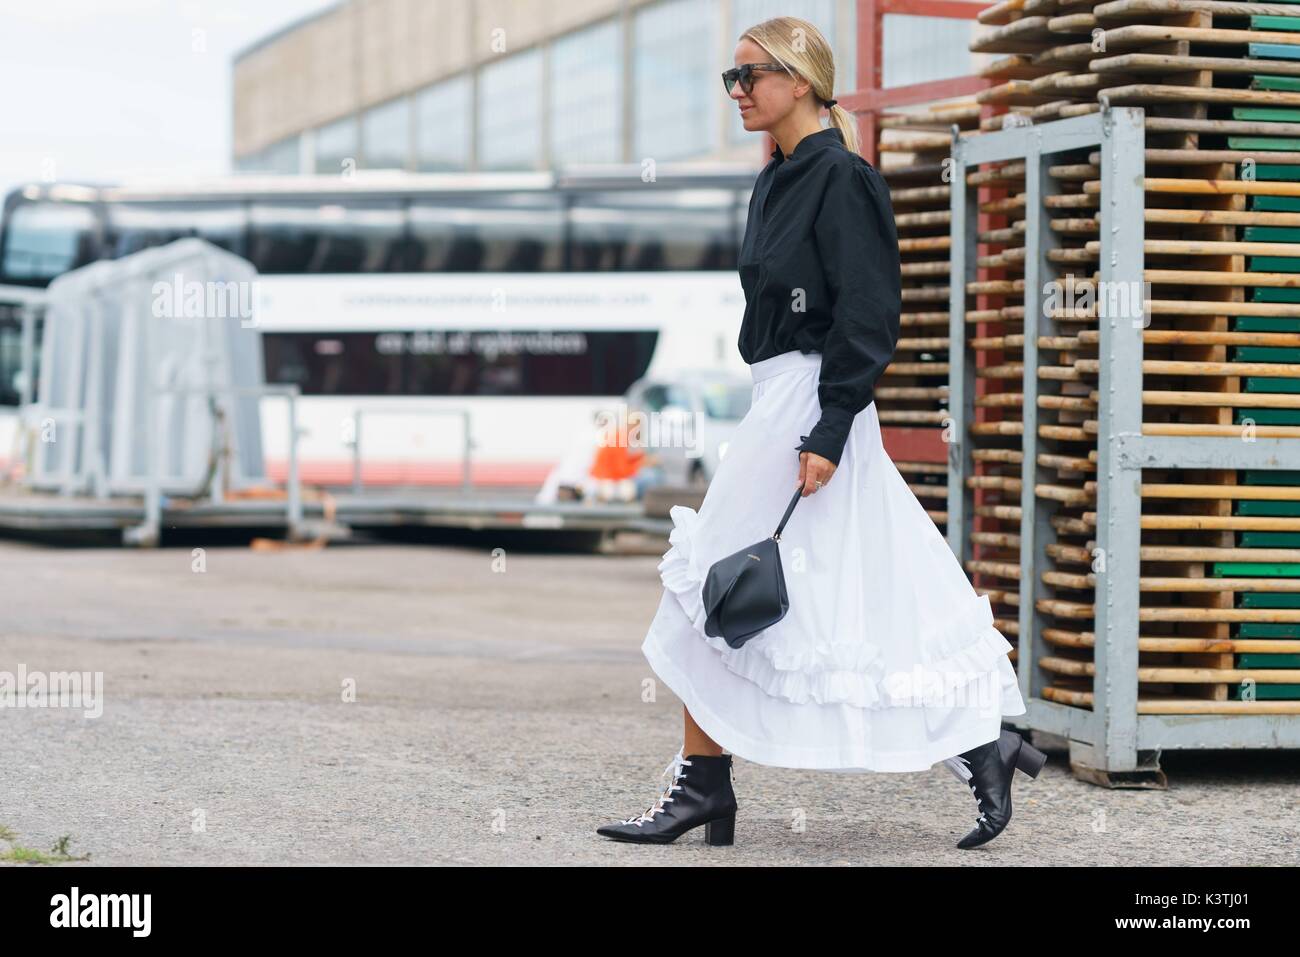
<point x="920" y="49"/>
<point x="281" y="157"/>
<point x="443" y="127"/>
<point x="562" y="102"/>
<point x="676" y="83"/>
<point x="336" y="146"/>
<point x="587" y="96"/>
<point x="386" y="135"/>
<point x="510" y="112"/>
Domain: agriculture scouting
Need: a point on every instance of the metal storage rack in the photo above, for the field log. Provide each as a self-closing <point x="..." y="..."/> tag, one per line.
<point x="1113" y="743"/>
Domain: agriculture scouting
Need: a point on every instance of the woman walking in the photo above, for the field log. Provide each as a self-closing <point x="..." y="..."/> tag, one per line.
<point x="887" y="659"/>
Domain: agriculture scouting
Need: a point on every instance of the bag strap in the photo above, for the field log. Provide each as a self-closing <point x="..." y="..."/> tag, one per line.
<point x="798" y="493"/>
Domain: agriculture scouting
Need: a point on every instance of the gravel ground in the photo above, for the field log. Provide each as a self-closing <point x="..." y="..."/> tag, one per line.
<point x="498" y="718"/>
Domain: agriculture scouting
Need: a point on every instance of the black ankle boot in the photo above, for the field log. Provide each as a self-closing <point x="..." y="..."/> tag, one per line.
<point x="699" y="793"/>
<point x="988" y="770"/>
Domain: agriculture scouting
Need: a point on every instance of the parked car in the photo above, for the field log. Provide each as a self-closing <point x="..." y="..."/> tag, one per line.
<point x="694" y="413"/>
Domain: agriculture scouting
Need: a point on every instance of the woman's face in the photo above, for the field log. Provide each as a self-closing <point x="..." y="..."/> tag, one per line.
<point x="773" y="96"/>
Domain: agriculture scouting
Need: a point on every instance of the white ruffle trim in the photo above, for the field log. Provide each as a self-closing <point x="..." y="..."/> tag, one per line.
<point x="852" y="673"/>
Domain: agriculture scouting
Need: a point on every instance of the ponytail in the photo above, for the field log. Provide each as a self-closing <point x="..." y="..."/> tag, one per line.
<point x="847" y="124"/>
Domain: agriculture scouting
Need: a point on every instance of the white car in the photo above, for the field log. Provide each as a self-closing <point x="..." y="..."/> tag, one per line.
<point x="693" y="414"/>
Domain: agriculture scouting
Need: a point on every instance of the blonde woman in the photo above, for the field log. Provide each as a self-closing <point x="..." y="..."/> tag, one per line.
<point x="887" y="659"/>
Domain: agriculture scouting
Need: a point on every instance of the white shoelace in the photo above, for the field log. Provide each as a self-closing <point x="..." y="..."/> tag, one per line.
<point x="959" y="766"/>
<point x="675" y="769"/>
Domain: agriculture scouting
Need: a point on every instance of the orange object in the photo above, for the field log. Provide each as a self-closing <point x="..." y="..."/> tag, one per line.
<point x="614" y="459"/>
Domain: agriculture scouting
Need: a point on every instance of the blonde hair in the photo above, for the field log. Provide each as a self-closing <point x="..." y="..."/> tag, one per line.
<point x="800" y="47"/>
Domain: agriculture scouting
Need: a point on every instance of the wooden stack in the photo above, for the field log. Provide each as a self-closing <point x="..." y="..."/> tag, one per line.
<point x="1046" y="45"/>
<point x="1220" y="588"/>
<point x="913" y="393"/>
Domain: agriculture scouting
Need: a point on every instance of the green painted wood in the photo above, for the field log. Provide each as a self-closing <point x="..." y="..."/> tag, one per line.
<point x="1262" y="692"/>
<point x="1254" y="570"/>
<point x="1260" y="659"/>
<point x="1268" y="540"/>
<point x="1267" y="600"/>
<point x="1270" y="477"/>
<point x="1264" y="354"/>
<point x="1263" y="629"/>
<point x="1285" y="83"/>
<point x="1255" y="508"/>
<point x="1274" y="143"/>
<point x="1266" y="324"/>
<point x="1271" y="234"/>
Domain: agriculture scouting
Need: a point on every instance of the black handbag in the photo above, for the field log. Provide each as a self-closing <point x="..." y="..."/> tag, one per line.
<point x="745" y="592"/>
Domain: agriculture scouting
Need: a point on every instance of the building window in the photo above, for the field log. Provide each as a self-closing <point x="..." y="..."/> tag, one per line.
<point x="336" y="146"/>
<point x="587" y="96"/>
<point x="676" y="84"/>
<point x="442" y="126"/>
<point x="510" y="112"/>
<point x="386" y="135"/>
<point x="820" y="13"/>
<point x="921" y="49"/>
<point x="281" y="157"/>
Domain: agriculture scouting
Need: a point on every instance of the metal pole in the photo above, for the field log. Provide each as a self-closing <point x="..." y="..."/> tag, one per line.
<point x="294" y="490"/>
<point x="466" y="481"/>
<point x="356" y="451"/>
<point x="1119" y="502"/>
<point x="961" y="388"/>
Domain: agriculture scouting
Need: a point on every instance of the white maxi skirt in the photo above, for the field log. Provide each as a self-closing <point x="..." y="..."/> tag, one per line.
<point x="887" y="659"/>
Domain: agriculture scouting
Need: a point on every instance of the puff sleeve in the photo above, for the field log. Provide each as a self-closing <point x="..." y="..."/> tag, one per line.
<point x="857" y="243"/>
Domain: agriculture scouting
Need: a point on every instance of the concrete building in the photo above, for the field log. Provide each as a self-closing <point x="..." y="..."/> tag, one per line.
<point x="444" y="85"/>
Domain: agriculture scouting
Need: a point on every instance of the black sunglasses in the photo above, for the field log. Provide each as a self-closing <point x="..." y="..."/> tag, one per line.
<point x="745" y="74"/>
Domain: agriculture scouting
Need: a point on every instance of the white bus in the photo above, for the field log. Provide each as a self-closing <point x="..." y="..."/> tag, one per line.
<point x="522" y="304"/>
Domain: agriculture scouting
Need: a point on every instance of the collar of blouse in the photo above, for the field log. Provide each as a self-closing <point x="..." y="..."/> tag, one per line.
<point x="811" y="143"/>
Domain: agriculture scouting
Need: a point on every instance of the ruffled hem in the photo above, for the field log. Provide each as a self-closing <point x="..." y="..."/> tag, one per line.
<point x="830" y="673"/>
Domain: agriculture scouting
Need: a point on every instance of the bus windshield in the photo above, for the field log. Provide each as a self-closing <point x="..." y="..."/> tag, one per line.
<point x="44" y="240"/>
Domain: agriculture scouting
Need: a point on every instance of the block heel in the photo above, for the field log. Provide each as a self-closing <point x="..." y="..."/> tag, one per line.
<point x="990" y="769"/>
<point x="1030" y="759"/>
<point x="721" y="832"/>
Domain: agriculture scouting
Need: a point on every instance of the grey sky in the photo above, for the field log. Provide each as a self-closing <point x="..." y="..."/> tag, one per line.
<point x="104" y="90"/>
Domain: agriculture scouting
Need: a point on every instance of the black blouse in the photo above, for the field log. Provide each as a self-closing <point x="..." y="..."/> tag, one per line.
<point x="819" y="266"/>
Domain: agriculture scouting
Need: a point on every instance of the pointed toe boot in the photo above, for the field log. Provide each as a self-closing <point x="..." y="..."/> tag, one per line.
<point x="698" y="792"/>
<point x="988" y="770"/>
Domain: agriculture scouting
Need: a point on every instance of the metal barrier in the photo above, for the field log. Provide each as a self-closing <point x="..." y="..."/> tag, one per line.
<point x="149" y="531"/>
<point x="467" y="445"/>
<point x="1112" y="738"/>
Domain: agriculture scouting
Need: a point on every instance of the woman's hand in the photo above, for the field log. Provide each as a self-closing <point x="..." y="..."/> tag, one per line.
<point x="814" y="471"/>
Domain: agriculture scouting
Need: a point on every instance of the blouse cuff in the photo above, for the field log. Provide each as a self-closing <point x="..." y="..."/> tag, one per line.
<point x="829" y="435"/>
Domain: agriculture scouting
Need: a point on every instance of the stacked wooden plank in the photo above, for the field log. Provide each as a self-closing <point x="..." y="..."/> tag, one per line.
<point x="1219" y="615"/>
<point x="1046" y="47"/>
<point x="915" y="147"/>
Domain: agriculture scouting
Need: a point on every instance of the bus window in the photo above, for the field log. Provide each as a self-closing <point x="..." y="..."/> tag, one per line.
<point x="650" y="228"/>
<point x="326" y="237"/>
<point x="459" y="363"/>
<point x="507" y="233"/>
<point x="43" y="240"/>
<point x="136" y="226"/>
<point x="11" y="354"/>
